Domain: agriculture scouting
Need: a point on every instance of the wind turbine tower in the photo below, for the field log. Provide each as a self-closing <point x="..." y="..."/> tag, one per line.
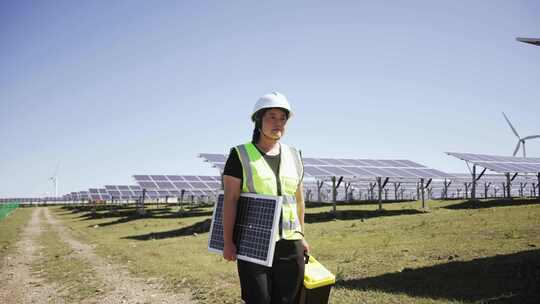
<point x="521" y="141"/>
<point x="54" y="179"/>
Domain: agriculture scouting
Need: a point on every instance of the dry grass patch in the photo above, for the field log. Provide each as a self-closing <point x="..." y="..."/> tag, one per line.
<point x="11" y="228"/>
<point x="58" y="263"/>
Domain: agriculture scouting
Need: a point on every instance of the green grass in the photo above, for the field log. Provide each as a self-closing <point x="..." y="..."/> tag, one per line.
<point x="59" y="264"/>
<point x="455" y="253"/>
<point x="11" y="228"/>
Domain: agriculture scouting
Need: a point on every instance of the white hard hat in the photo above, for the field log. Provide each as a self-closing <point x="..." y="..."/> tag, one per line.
<point x="272" y="100"/>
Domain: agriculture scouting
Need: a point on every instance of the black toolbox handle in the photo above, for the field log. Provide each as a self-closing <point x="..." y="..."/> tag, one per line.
<point x="306" y="257"/>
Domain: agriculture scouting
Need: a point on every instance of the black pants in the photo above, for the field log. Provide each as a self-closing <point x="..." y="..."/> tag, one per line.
<point x="278" y="284"/>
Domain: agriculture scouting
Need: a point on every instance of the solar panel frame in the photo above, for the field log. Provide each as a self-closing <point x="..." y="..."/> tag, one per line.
<point x="211" y="157"/>
<point x="328" y="167"/>
<point x="316" y="171"/>
<point x="199" y="185"/>
<point x="142" y="177"/>
<point x="255" y="236"/>
<point x="337" y="171"/>
<point x="312" y="161"/>
<point x="501" y="164"/>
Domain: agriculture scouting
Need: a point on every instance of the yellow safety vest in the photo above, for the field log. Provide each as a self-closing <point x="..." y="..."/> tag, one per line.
<point x="259" y="178"/>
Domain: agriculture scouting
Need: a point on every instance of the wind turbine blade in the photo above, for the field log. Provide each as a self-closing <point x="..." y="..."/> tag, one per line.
<point x="517" y="148"/>
<point x="510" y="124"/>
<point x="531" y="137"/>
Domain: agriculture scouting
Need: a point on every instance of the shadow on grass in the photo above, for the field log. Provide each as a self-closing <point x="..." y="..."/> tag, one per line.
<point x="512" y="278"/>
<point x="125" y="215"/>
<point x="315" y="204"/>
<point x="477" y="204"/>
<point x="355" y="215"/>
<point x="199" y="227"/>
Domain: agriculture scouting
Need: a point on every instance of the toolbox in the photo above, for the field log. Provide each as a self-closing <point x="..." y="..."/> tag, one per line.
<point x="318" y="282"/>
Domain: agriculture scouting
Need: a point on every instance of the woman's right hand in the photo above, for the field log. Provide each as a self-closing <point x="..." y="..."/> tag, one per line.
<point x="229" y="252"/>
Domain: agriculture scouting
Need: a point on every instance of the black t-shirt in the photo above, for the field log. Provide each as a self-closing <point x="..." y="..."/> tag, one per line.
<point x="233" y="166"/>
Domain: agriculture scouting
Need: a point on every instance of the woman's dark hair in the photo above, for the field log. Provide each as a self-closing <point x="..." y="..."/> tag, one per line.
<point x="258" y="124"/>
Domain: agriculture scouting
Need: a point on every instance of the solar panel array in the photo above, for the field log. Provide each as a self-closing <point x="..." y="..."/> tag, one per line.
<point x="178" y="182"/>
<point x="99" y="194"/>
<point x="501" y="164"/>
<point x="256" y="225"/>
<point x="124" y="192"/>
<point x="217" y="160"/>
<point x="83" y="195"/>
<point x="357" y="168"/>
<point x="173" y="185"/>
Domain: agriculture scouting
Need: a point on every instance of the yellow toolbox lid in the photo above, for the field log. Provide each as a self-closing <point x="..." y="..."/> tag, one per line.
<point x="316" y="275"/>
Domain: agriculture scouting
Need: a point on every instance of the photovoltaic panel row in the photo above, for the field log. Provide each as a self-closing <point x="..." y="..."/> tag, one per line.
<point x="153" y="194"/>
<point x="99" y="194"/>
<point x="178" y="182"/>
<point x="327" y="167"/>
<point x="398" y="163"/>
<point x="188" y="178"/>
<point x="511" y="167"/>
<point x="501" y="164"/>
<point x="82" y="195"/>
<point x="493" y="158"/>
<point x="325" y="171"/>
<point x="124" y="192"/>
<point x="217" y="160"/>
<point x="220" y="159"/>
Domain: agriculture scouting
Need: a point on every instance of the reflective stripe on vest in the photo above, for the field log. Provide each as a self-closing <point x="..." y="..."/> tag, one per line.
<point x="259" y="178"/>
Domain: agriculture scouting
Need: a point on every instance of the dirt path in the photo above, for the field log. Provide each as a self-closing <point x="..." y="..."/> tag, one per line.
<point x="124" y="287"/>
<point x="18" y="284"/>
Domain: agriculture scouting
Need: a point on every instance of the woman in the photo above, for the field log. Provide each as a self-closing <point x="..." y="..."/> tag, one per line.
<point x="265" y="166"/>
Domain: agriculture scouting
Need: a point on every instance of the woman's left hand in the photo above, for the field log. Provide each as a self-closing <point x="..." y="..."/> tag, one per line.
<point x="306" y="245"/>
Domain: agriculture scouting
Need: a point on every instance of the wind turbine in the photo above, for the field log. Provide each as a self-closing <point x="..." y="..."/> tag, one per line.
<point x="520" y="140"/>
<point x="54" y="179"/>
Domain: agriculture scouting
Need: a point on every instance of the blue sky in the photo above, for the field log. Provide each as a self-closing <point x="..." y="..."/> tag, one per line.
<point x="111" y="89"/>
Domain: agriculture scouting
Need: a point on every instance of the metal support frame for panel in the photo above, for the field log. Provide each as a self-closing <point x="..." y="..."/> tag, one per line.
<point x="521" y="187"/>
<point x="426" y="186"/>
<point x="474" y="179"/>
<point x="307" y="195"/>
<point x="508" y="186"/>
<point x="486" y="188"/>
<point x="473" y="188"/>
<point x="335" y="185"/>
<point x="422" y="193"/>
<point x="140" y="207"/>
<point x="379" y="191"/>
<point x="347" y="185"/>
<point x="182" y="193"/>
<point x="418" y="190"/>
<point x="396" y="188"/>
<point x="319" y="187"/>
<point x="445" y="189"/>
<point x="538" y="185"/>
<point x="370" y="189"/>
